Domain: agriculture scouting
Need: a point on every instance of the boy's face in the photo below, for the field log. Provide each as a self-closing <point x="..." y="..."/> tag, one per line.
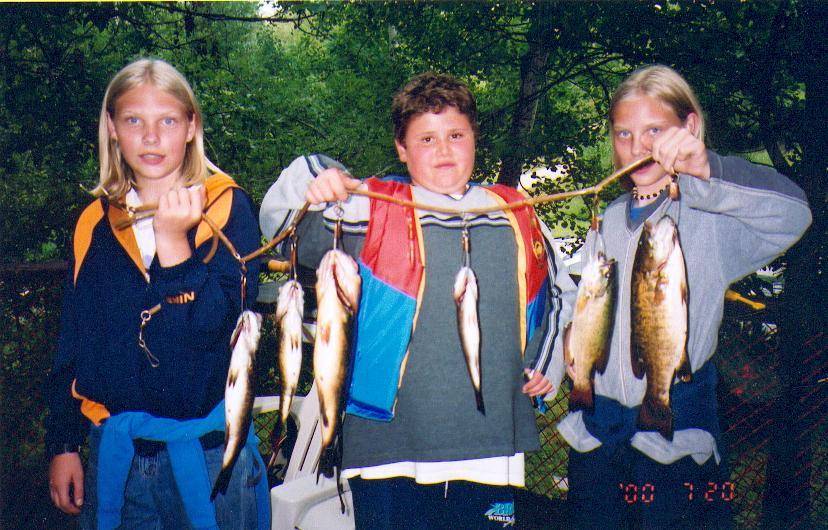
<point x="438" y="150"/>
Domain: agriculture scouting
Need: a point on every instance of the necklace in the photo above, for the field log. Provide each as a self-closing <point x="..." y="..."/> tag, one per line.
<point x="647" y="196"/>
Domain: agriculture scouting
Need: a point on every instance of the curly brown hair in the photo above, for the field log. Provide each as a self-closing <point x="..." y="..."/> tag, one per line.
<point x="431" y="92"/>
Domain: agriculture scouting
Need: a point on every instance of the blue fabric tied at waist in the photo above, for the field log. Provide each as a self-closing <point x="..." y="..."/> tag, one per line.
<point x="186" y="458"/>
<point x="694" y="406"/>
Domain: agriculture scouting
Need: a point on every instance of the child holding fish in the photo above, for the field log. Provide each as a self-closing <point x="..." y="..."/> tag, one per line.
<point x="644" y="431"/>
<point x="451" y="333"/>
<point x="146" y="384"/>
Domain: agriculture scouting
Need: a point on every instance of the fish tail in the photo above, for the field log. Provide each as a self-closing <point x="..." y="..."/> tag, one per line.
<point x="222" y="481"/>
<point x="330" y="460"/>
<point x="478" y="396"/>
<point x="656" y="416"/>
<point x="581" y="398"/>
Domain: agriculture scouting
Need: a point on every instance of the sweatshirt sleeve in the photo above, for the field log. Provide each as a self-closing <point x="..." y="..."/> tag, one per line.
<point x="65" y="426"/>
<point x="561" y="300"/>
<point x="286" y="197"/>
<point x="760" y="212"/>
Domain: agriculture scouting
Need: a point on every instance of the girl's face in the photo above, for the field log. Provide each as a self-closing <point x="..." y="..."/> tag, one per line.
<point x="152" y="129"/>
<point x="637" y="122"/>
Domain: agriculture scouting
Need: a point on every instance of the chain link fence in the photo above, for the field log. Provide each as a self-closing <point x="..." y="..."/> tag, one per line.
<point x="755" y="408"/>
<point x="750" y="397"/>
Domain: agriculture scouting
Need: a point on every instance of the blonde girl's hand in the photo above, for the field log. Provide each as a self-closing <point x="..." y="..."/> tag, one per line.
<point x="66" y="482"/>
<point x="178" y="211"/>
<point x="677" y="150"/>
<point x="331" y="185"/>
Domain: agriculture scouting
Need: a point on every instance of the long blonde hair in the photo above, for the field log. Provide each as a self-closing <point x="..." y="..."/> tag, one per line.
<point x="116" y="177"/>
<point x="666" y="85"/>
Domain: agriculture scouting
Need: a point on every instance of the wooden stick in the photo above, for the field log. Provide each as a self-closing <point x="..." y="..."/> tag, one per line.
<point x="281" y="237"/>
<point x="532" y="201"/>
<point x="149" y="209"/>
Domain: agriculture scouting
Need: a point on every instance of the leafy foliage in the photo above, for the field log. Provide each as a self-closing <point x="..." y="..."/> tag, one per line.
<point x="319" y="77"/>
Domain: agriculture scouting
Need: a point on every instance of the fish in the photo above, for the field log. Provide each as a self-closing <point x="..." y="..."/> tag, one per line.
<point x="659" y="322"/>
<point x="468" y="325"/>
<point x="239" y="394"/>
<point x="289" y="310"/>
<point x="338" y="286"/>
<point x="587" y="336"/>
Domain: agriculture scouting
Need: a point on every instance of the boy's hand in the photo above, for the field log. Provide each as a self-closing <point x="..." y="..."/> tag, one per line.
<point x="178" y="211"/>
<point x="537" y="384"/>
<point x="677" y="150"/>
<point x="66" y="482"/>
<point x="331" y="185"/>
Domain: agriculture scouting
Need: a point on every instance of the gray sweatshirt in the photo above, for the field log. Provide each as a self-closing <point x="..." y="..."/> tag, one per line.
<point x="435" y="416"/>
<point x="741" y="219"/>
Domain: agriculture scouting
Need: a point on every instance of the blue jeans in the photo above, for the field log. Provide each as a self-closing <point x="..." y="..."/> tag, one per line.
<point x="151" y="499"/>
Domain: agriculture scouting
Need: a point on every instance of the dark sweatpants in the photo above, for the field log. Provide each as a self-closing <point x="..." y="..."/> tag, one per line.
<point x="626" y="489"/>
<point x="402" y="503"/>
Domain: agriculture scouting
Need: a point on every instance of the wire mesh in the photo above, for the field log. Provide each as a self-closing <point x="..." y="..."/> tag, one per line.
<point x="750" y="393"/>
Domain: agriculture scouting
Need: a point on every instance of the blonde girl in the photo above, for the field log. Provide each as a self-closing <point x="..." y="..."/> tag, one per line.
<point x="733" y="217"/>
<point x="130" y="382"/>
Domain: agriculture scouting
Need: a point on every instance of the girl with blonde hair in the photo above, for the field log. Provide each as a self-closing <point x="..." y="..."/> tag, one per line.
<point x="628" y="465"/>
<point x="129" y="379"/>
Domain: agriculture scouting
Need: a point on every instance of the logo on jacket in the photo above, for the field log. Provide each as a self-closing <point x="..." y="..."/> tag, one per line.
<point x="502" y="512"/>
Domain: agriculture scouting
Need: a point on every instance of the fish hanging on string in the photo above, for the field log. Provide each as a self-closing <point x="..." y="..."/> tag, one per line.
<point x="338" y="287"/>
<point x="468" y="323"/>
<point x="289" y="310"/>
<point x="239" y="394"/>
<point x="587" y="336"/>
<point x="659" y="322"/>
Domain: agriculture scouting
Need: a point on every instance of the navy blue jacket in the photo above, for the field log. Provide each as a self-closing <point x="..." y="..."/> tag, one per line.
<point x="98" y="355"/>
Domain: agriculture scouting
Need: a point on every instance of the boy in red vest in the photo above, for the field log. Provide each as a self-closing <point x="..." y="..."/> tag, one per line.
<point x="417" y="450"/>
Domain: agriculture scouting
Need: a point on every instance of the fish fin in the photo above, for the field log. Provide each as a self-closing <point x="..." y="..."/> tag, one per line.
<point x="655" y="416"/>
<point x="222" y="481"/>
<point x="684" y="370"/>
<point x="602" y="360"/>
<point x="581" y="398"/>
<point x="659" y="294"/>
<point x="567" y="353"/>
<point x="478" y="396"/>
<point x="637" y="362"/>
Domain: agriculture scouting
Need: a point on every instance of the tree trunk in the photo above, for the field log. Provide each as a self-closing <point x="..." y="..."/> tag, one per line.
<point x="803" y="339"/>
<point x="533" y="67"/>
